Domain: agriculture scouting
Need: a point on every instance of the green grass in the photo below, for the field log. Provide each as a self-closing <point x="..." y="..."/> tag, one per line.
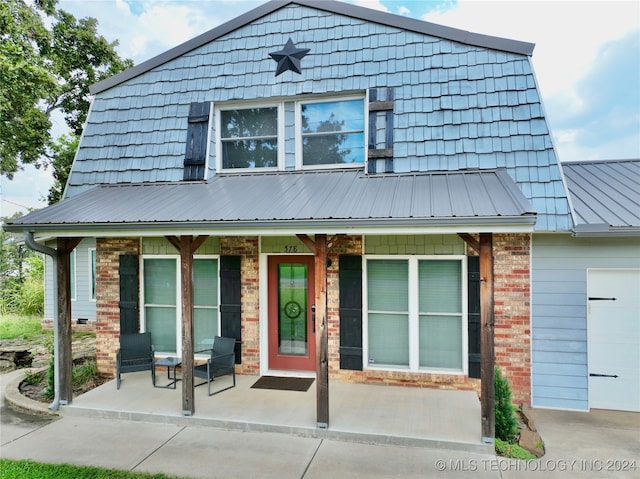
<point x="10" y="469"/>
<point x="26" y="327"/>
<point x="512" y="451"/>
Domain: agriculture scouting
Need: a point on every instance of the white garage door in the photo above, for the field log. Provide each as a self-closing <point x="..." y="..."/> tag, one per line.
<point x="613" y="335"/>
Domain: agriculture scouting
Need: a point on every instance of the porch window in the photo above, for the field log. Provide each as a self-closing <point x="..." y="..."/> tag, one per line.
<point x="388" y="302"/>
<point x="162" y="303"/>
<point x="249" y="138"/>
<point x="72" y="274"/>
<point x="92" y="272"/>
<point x="415" y="313"/>
<point x="205" y="301"/>
<point x="440" y="314"/>
<point x="332" y="133"/>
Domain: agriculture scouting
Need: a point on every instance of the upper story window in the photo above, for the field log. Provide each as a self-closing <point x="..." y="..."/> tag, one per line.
<point x="309" y="134"/>
<point x="249" y="138"/>
<point x="332" y="133"/>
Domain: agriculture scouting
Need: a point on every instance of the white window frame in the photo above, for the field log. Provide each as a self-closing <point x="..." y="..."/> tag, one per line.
<point x="280" y="132"/>
<point x="329" y="99"/>
<point x="143" y="304"/>
<point x="73" y="271"/>
<point x="93" y="274"/>
<point x="414" y="315"/>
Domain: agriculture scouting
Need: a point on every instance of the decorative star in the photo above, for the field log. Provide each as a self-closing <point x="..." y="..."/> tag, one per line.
<point x="289" y="58"/>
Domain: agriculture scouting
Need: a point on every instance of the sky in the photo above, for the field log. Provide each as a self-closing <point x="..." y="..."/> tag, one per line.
<point x="586" y="61"/>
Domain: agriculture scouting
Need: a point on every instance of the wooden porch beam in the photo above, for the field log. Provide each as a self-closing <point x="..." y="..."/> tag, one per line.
<point x="308" y="242"/>
<point x="187" y="246"/>
<point x="471" y="241"/>
<point x="322" y="336"/>
<point x="487" y="402"/>
<point x="319" y="248"/>
<point x="65" y="354"/>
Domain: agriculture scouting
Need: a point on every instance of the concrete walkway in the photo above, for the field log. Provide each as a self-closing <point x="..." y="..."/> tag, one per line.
<point x="586" y="445"/>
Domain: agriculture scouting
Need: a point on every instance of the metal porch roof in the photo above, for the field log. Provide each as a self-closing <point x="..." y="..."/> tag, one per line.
<point x="605" y="196"/>
<point x="348" y="200"/>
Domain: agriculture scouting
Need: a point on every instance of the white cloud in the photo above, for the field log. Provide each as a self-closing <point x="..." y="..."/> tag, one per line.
<point x="28" y="189"/>
<point x="374" y="4"/>
<point x="567" y="34"/>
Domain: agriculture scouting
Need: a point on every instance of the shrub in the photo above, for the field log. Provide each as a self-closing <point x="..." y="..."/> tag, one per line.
<point x="24" y="295"/>
<point x="506" y="423"/>
<point x="50" y="392"/>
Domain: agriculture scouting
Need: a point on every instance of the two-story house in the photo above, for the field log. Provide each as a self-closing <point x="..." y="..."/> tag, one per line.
<point x="317" y="151"/>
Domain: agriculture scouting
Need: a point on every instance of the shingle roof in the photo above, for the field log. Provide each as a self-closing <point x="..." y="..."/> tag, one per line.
<point x="347" y="200"/>
<point x="376" y="16"/>
<point x="605" y="196"/>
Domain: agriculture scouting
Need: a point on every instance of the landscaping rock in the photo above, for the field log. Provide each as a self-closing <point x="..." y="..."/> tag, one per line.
<point x="532" y="442"/>
<point x="19" y="356"/>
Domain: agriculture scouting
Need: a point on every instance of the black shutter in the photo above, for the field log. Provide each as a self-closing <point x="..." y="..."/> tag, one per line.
<point x="230" y="307"/>
<point x="376" y="105"/>
<point x="350" y="312"/>
<point x="196" y="151"/>
<point x="473" y="319"/>
<point x="128" y="271"/>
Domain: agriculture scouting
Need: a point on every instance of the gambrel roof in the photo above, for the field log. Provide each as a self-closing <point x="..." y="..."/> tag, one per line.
<point x="463" y="104"/>
<point x="605" y="196"/>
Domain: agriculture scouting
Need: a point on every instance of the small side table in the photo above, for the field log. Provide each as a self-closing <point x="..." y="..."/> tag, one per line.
<point x="171" y="365"/>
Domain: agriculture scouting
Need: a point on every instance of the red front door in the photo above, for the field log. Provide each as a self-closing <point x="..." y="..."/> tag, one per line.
<point x="292" y="343"/>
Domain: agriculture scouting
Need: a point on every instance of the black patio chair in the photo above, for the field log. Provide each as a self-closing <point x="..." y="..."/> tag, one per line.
<point x="135" y="354"/>
<point x="221" y="362"/>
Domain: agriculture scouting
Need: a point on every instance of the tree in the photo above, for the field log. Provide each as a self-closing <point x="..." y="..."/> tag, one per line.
<point x="64" y="150"/>
<point x="48" y="60"/>
<point x="21" y="275"/>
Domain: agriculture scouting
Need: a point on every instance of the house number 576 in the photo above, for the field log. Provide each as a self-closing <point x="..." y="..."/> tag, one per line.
<point x="290" y="248"/>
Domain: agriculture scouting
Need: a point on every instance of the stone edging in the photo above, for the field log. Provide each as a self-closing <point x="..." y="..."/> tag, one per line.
<point x="17" y="400"/>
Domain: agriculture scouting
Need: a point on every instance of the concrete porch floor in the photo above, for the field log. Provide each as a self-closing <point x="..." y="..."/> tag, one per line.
<point x="372" y="414"/>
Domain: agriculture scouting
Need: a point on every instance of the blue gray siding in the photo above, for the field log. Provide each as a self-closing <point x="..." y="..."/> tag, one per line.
<point x="82" y="306"/>
<point x="457" y="106"/>
<point x="559" y="312"/>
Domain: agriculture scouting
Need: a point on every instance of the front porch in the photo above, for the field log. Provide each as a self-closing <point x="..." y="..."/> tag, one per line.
<point x="404" y="416"/>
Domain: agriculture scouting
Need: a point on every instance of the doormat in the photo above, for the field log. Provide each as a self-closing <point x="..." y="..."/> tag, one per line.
<point x="283" y="383"/>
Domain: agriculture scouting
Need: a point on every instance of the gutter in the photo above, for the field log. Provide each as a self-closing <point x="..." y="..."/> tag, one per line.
<point x="522" y="222"/>
<point x="34" y="245"/>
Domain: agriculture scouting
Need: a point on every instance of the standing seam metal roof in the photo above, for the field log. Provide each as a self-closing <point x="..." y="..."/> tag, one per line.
<point x="316" y="197"/>
<point x="605" y="195"/>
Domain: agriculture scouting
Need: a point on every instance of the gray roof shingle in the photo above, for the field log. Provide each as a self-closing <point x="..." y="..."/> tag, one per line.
<point x="353" y="11"/>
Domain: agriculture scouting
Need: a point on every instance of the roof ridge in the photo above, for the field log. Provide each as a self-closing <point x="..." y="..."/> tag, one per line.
<point x="590" y="162"/>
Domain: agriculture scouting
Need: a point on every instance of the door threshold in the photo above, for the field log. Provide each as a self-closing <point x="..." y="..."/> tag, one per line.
<point x="289" y="374"/>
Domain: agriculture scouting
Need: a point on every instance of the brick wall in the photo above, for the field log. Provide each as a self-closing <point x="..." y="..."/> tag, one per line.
<point x="512" y="309"/>
<point x="512" y="325"/>
<point x="248" y="248"/>
<point x="512" y="312"/>
<point x="108" y="253"/>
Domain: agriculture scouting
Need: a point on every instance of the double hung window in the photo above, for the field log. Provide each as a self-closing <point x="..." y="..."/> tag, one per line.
<point x="332" y="132"/>
<point x="415" y="313"/>
<point x="249" y="138"/>
<point x="296" y="134"/>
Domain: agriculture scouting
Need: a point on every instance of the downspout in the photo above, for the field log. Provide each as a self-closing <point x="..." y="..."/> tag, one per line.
<point x="34" y="245"/>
